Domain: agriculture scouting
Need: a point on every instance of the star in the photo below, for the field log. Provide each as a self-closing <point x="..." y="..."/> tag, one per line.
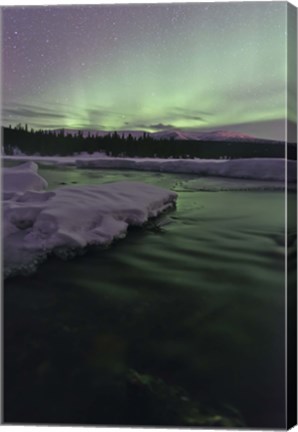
<point x="146" y="60"/>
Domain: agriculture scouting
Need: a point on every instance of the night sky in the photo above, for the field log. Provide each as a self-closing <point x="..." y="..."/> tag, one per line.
<point x="152" y="67"/>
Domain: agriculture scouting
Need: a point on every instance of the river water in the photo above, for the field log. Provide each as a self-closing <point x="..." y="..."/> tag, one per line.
<point x="197" y="303"/>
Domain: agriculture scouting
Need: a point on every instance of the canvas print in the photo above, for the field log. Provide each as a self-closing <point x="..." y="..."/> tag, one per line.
<point x="149" y="214"/>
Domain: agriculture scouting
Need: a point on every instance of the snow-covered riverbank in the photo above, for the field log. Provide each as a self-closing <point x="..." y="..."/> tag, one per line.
<point x="38" y="222"/>
<point x="253" y="168"/>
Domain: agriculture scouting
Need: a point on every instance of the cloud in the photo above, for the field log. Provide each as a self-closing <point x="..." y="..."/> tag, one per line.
<point x="29" y="113"/>
<point x="91" y="126"/>
<point x="161" y="126"/>
<point x="26" y="111"/>
<point x="54" y="115"/>
<point x="190" y="117"/>
<point x="144" y="126"/>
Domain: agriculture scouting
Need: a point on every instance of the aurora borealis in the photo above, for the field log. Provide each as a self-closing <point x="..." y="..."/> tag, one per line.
<point x="198" y="66"/>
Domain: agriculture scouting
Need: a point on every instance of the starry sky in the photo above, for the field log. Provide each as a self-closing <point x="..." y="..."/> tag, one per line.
<point x="196" y="66"/>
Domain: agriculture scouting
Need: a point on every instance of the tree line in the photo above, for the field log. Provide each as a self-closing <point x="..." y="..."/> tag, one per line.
<point x="61" y="143"/>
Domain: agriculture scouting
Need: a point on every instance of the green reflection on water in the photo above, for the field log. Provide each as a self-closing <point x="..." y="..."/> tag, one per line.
<point x="200" y="305"/>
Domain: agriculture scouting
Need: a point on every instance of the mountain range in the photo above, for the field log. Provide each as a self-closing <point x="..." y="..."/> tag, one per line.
<point x="175" y="134"/>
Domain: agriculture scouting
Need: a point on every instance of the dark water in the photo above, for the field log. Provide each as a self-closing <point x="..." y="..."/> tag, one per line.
<point x="198" y="304"/>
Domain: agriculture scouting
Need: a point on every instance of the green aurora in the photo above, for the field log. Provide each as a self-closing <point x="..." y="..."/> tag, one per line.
<point x="197" y="66"/>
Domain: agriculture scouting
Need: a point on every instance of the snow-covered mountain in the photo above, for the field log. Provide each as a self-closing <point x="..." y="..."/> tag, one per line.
<point x="214" y="135"/>
<point x="223" y="135"/>
<point x="172" y="134"/>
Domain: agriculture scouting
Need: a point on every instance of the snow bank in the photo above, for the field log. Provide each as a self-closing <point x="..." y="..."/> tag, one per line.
<point x="55" y="160"/>
<point x="258" y="169"/>
<point x="253" y="168"/>
<point x="38" y="223"/>
<point x="21" y="178"/>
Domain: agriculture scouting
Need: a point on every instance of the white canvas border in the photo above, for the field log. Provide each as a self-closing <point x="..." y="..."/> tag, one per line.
<point x="87" y="428"/>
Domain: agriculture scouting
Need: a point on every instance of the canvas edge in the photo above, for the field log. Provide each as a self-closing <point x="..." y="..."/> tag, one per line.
<point x="291" y="225"/>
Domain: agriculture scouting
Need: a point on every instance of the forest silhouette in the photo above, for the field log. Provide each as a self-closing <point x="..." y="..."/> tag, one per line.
<point x="63" y="143"/>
